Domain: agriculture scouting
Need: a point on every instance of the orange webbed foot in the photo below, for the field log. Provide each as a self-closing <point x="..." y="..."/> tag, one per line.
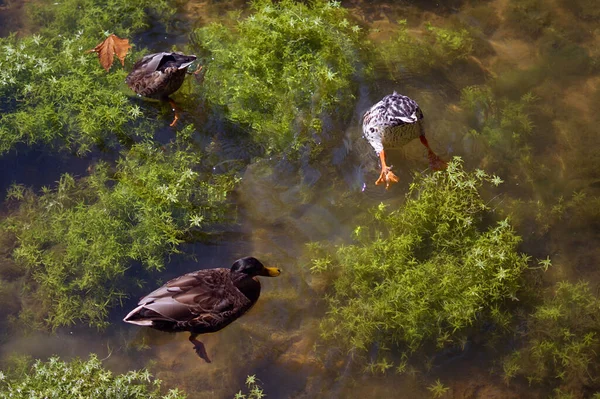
<point x="388" y="177"/>
<point x="435" y="162"/>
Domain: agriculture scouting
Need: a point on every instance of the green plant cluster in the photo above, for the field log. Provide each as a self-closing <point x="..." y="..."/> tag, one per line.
<point x="425" y="272"/>
<point x="283" y="69"/>
<point x="90" y="18"/>
<point x="78" y="379"/>
<point x="255" y="391"/>
<point x="562" y="342"/>
<point x="78" y="240"/>
<point x="528" y="17"/>
<point x="436" y="47"/>
<point x="504" y="124"/>
<point x="52" y="92"/>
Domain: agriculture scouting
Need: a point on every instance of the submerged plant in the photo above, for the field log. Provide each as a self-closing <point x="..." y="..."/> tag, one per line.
<point x="426" y="272"/>
<point x="437" y="47"/>
<point x="438" y="389"/>
<point x="78" y="239"/>
<point x="51" y="92"/>
<point x="283" y="70"/>
<point x="562" y="344"/>
<point x="254" y="389"/>
<point x="529" y="17"/>
<point x="504" y="124"/>
<point x="78" y="378"/>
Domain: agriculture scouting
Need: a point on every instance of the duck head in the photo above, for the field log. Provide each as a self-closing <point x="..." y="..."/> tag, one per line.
<point x="253" y="267"/>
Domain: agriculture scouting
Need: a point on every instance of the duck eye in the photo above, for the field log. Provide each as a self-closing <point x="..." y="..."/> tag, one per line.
<point x="372" y="129"/>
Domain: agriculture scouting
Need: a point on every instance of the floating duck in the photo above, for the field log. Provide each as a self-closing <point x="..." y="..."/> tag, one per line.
<point x="203" y="301"/>
<point x="159" y="75"/>
<point x="392" y="123"/>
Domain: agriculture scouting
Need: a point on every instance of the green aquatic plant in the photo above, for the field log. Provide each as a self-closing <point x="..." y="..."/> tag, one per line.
<point x="563" y="57"/>
<point x="78" y="239"/>
<point x="528" y="17"/>
<point x="52" y="93"/>
<point x="283" y="70"/>
<point x="255" y="391"/>
<point x="436" y="47"/>
<point x="91" y="17"/>
<point x="562" y="345"/>
<point x="504" y="124"/>
<point x="427" y="272"/>
<point x="56" y="378"/>
<point x="438" y="389"/>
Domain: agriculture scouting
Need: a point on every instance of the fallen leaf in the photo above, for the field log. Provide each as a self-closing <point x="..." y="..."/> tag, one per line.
<point x="108" y="48"/>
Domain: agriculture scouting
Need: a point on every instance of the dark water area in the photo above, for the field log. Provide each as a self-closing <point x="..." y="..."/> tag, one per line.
<point x="282" y="204"/>
<point x="37" y="168"/>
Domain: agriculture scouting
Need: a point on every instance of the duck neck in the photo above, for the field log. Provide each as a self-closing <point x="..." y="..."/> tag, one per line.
<point x="249" y="286"/>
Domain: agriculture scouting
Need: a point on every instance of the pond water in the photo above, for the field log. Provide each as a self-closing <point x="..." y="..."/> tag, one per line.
<point x="282" y="205"/>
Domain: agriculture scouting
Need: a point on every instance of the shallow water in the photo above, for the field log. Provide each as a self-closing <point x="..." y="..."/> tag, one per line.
<point x="283" y="206"/>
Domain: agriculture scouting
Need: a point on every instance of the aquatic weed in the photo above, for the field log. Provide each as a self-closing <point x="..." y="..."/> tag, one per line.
<point x="562" y="345"/>
<point x="52" y="93"/>
<point x="78" y="239"/>
<point x="504" y="124"/>
<point x="438" y="47"/>
<point x="427" y="272"/>
<point x="254" y="390"/>
<point x="78" y="378"/>
<point x="283" y="70"/>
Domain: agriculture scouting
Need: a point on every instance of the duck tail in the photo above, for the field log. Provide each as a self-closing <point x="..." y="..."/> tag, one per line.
<point x="139" y="317"/>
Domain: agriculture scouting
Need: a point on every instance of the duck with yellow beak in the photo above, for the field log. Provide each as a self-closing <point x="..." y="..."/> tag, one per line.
<point x="203" y="301"/>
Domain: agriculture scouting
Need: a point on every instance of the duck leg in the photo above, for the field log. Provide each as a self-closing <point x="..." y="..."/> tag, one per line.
<point x="199" y="348"/>
<point x="175" y="109"/>
<point x="386" y="176"/>
<point x="199" y="78"/>
<point x="435" y="162"/>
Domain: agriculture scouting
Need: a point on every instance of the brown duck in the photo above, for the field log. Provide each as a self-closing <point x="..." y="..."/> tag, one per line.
<point x="204" y="301"/>
<point x="159" y="75"/>
<point x="392" y="123"/>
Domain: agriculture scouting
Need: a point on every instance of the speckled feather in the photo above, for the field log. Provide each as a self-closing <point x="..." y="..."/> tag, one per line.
<point x="392" y="122"/>
<point x="159" y="75"/>
<point x="200" y="302"/>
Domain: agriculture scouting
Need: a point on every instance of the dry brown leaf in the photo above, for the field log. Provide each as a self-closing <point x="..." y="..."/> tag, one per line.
<point x="108" y="48"/>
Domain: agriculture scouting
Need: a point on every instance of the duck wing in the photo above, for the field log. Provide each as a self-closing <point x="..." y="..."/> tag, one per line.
<point x="161" y="61"/>
<point x="394" y="110"/>
<point x="205" y="300"/>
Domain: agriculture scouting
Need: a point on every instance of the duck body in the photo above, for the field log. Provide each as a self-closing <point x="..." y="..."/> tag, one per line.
<point x="159" y="75"/>
<point x="392" y="123"/>
<point x="203" y="301"/>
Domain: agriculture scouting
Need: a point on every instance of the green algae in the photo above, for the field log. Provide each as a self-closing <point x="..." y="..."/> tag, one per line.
<point x="77" y="240"/>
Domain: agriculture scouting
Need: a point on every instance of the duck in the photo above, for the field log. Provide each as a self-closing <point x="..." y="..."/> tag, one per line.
<point x="159" y="75"/>
<point x="393" y="122"/>
<point x="204" y="301"/>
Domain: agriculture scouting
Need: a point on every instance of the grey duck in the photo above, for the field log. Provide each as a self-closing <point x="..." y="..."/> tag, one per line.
<point x="392" y="123"/>
<point x="203" y="301"/>
<point x="159" y="75"/>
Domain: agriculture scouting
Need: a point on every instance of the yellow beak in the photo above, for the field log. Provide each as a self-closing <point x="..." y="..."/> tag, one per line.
<point x="270" y="272"/>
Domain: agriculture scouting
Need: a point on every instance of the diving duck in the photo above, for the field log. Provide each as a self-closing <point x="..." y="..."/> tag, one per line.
<point x="159" y="75"/>
<point x="392" y="123"/>
<point x="203" y="301"/>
